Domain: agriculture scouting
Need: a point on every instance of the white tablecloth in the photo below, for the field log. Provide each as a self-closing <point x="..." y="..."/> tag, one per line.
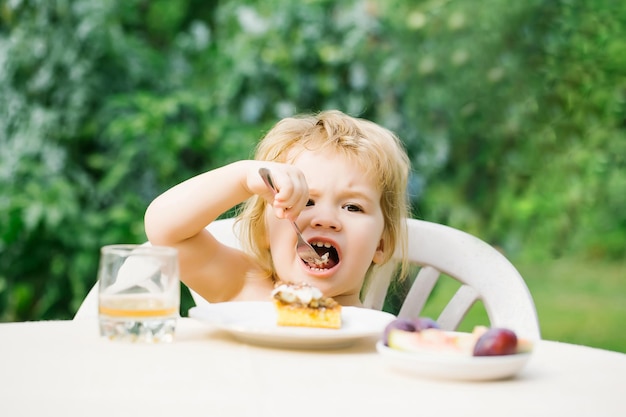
<point x="64" y="368"/>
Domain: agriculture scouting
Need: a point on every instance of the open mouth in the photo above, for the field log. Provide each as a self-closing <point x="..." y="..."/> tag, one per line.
<point x="330" y="256"/>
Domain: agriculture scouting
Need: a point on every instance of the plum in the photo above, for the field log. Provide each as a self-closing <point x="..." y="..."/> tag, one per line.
<point x="495" y="342"/>
<point x="423" y="323"/>
<point x="409" y="325"/>
<point x="401" y="324"/>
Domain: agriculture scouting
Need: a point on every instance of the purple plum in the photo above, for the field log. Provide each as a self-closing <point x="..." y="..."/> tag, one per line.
<point x="409" y="325"/>
<point x="495" y="342"/>
<point x="423" y="323"/>
<point x="402" y="324"/>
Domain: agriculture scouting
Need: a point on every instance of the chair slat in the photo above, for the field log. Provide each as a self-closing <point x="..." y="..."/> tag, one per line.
<point x="457" y="307"/>
<point x="420" y="291"/>
<point x="377" y="288"/>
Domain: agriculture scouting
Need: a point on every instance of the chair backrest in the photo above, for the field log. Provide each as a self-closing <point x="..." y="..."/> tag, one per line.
<point x="222" y="229"/>
<point x="483" y="272"/>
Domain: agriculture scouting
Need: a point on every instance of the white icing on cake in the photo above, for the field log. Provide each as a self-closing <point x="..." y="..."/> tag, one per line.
<point x="297" y="294"/>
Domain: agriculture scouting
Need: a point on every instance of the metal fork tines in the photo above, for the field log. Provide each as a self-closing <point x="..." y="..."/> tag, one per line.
<point x="305" y="250"/>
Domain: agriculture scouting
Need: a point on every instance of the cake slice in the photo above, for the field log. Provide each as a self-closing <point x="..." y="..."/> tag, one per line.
<point x="305" y="306"/>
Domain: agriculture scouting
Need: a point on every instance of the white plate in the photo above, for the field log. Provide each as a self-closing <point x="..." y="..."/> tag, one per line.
<point x="453" y="366"/>
<point x="255" y="322"/>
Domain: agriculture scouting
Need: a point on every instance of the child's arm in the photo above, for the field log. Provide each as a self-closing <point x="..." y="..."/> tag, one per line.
<point x="179" y="216"/>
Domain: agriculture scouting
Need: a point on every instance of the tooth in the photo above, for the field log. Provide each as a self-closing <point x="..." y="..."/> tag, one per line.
<point x="327" y="245"/>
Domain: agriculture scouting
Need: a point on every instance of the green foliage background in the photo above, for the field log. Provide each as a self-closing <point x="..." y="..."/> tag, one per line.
<point x="514" y="115"/>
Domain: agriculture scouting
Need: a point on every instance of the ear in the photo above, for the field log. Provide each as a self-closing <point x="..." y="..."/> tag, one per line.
<point x="379" y="255"/>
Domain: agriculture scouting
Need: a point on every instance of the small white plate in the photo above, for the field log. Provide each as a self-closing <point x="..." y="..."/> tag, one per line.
<point x="255" y="322"/>
<point x="453" y="366"/>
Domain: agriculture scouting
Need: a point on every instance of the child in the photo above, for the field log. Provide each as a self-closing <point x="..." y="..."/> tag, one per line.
<point x="342" y="179"/>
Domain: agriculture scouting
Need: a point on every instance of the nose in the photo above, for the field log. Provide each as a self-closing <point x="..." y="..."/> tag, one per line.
<point x="325" y="218"/>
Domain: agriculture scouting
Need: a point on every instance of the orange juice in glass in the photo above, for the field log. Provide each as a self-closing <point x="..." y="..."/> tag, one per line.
<point x="139" y="293"/>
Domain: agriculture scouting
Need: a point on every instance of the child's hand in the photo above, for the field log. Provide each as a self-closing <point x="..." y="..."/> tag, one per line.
<point x="292" y="191"/>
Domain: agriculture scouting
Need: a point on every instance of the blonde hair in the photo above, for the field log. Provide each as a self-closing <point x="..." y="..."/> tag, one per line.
<point x="375" y="150"/>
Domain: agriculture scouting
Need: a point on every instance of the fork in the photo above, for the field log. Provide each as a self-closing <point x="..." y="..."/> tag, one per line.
<point x="304" y="250"/>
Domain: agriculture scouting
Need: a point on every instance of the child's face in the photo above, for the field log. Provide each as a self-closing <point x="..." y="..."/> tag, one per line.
<point x="343" y="211"/>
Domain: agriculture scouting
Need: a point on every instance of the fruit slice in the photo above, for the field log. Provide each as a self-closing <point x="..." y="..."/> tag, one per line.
<point x="432" y="341"/>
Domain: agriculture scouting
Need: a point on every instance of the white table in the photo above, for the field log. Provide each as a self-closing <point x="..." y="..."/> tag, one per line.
<point x="64" y="368"/>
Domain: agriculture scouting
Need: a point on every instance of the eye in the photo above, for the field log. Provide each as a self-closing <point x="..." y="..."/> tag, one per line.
<point x="352" y="207"/>
<point x="310" y="203"/>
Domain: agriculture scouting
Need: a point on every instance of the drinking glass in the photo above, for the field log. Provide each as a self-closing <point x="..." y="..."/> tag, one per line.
<point x="139" y="293"/>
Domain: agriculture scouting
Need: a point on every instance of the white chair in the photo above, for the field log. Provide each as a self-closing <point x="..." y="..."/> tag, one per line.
<point x="484" y="273"/>
<point x="222" y="229"/>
